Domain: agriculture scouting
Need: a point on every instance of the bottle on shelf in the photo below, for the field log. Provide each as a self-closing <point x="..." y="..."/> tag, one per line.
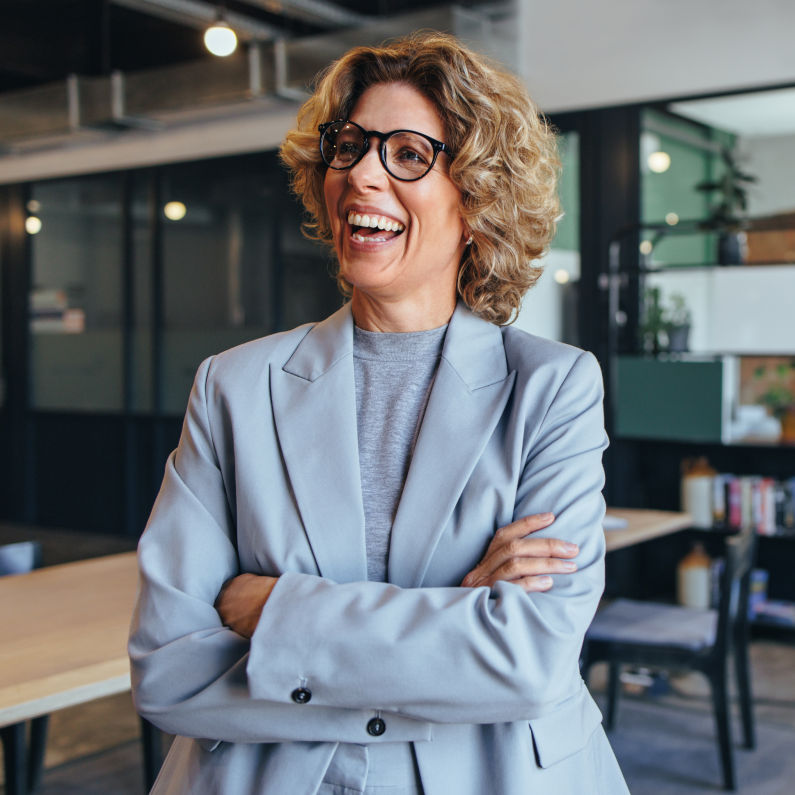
<point x="693" y="578"/>
<point x="697" y="491"/>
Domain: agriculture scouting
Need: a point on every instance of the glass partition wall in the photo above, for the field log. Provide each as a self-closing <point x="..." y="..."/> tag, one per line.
<point x="134" y="279"/>
<point x="76" y="295"/>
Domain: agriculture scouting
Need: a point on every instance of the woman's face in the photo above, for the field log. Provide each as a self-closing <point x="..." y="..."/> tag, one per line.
<point x="422" y="257"/>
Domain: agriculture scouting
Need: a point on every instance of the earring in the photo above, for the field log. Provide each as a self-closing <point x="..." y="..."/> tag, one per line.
<point x="469" y="242"/>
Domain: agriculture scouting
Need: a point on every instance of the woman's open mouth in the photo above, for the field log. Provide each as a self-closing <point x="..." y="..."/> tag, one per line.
<point x="373" y="228"/>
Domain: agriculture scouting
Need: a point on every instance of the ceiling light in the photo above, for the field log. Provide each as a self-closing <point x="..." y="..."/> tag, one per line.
<point x="659" y="162"/>
<point x="33" y="206"/>
<point x="175" y="211"/>
<point x="646" y="247"/>
<point x="32" y="225"/>
<point x="220" y="39"/>
<point x="561" y="276"/>
<point x="672" y="219"/>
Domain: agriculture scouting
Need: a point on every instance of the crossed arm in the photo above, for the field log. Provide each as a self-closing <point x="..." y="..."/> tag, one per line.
<point x="426" y="655"/>
<point x="512" y="556"/>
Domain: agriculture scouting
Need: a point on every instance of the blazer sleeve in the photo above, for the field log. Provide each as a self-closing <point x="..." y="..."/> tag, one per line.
<point x="457" y="655"/>
<point x="188" y="671"/>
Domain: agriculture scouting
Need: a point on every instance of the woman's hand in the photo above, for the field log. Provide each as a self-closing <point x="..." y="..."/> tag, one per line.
<point x="528" y="562"/>
<point x="241" y="601"/>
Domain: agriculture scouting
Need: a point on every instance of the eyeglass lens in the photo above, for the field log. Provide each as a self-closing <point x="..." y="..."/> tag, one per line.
<point x="408" y="155"/>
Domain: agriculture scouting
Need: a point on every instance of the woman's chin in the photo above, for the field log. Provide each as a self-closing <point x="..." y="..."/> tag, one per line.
<point x="370" y="275"/>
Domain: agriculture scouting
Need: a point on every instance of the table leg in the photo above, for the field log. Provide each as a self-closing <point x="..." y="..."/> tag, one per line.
<point x="14" y="755"/>
<point x="37" y="751"/>
<point x="152" y="741"/>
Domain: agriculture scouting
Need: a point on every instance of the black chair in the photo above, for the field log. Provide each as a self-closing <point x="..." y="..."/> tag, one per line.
<point x="23" y="761"/>
<point x="668" y="636"/>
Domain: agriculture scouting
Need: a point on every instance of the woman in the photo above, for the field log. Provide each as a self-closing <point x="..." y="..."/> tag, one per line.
<point x="338" y="591"/>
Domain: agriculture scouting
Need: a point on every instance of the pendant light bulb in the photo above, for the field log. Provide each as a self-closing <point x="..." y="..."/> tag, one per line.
<point x="220" y="39"/>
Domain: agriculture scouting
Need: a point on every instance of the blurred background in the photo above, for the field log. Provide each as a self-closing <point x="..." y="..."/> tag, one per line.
<point x="146" y="224"/>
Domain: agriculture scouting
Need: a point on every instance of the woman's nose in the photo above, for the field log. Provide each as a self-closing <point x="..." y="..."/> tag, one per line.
<point x="369" y="172"/>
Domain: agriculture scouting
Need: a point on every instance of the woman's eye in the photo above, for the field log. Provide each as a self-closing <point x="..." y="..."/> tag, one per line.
<point x="346" y="148"/>
<point x="410" y="155"/>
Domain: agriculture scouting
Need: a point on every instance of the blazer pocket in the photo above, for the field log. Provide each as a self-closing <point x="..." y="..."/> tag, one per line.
<point x="566" y="730"/>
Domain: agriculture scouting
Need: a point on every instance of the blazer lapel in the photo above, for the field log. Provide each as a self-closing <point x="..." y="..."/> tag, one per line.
<point x="469" y="395"/>
<point x="314" y="406"/>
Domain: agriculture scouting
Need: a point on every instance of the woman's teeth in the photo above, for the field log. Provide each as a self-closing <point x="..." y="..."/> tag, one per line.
<point x="374" y="222"/>
<point x="369" y="239"/>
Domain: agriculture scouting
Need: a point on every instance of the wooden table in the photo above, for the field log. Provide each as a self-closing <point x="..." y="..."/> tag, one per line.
<point x="63" y="635"/>
<point x="63" y="641"/>
<point x="644" y="525"/>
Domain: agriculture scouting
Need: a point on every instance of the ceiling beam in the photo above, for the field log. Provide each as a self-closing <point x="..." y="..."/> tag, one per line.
<point x="200" y="15"/>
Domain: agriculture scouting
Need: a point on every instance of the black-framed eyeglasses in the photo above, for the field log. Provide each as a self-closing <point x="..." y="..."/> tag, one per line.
<point x="405" y="154"/>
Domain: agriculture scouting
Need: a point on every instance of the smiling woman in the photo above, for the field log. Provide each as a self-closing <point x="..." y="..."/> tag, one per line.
<point x="497" y="151"/>
<point x="355" y="578"/>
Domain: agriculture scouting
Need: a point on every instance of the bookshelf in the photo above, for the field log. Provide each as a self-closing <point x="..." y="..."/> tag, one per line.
<point x="663" y="408"/>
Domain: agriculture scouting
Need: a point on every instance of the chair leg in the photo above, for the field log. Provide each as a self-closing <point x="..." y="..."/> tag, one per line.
<point x="37" y="750"/>
<point x="152" y="741"/>
<point x="742" y="670"/>
<point x="14" y="753"/>
<point x="613" y="693"/>
<point x="720" y="698"/>
<point x="585" y="664"/>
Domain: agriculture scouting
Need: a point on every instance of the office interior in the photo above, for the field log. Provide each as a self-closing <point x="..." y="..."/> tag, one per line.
<point x="146" y="223"/>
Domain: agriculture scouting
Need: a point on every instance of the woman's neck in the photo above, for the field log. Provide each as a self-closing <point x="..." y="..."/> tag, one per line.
<point x="405" y="315"/>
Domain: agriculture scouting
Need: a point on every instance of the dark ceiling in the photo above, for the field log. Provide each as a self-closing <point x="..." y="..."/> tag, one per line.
<point x="45" y="40"/>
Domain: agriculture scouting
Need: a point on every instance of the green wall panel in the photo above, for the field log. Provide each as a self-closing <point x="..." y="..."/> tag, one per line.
<point x="675" y="400"/>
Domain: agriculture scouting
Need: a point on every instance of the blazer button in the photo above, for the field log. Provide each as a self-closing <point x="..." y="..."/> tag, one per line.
<point x="376" y="727"/>
<point x="301" y="695"/>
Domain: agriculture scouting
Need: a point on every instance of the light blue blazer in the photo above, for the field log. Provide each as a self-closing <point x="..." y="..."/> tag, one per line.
<point x="484" y="682"/>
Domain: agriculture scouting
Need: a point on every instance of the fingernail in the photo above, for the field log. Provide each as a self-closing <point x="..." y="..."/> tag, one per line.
<point x="569" y="565"/>
<point x="545" y="582"/>
<point x="569" y="547"/>
<point x="546" y="516"/>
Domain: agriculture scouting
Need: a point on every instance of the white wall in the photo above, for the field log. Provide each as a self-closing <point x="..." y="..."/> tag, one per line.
<point x="736" y="310"/>
<point x="772" y="161"/>
<point x="591" y="53"/>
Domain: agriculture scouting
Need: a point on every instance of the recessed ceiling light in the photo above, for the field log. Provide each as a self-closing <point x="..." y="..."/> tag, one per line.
<point x="659" y="162"/>
<point x="33" y="206"/>
<point x="220" y="39"/>
<point x="561" y="276"/>
<point x="32" y="225"/>
<point x="672" y="219"/>
<point x="646" y="247"/>
<point x="175" y="211"/>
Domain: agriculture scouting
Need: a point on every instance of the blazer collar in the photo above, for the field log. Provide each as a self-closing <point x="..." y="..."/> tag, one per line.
<point x="473" y="347"/>
<point x="324" y="345"/>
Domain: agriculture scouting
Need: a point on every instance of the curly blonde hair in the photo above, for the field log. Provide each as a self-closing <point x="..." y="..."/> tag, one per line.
<point x="504" y="162"/>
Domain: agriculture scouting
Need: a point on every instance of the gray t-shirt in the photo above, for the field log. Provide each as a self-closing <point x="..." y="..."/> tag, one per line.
<point x="394" y="374"/>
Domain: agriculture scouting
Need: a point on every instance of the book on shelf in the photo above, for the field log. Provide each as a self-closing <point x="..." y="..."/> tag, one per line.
<point x="765" y="504"/>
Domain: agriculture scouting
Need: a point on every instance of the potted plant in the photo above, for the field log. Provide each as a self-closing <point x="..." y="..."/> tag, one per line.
<point x="653" y="334"/>
<point x="726" y="215"/>
<point x="677" y="322"/>
<point x="780" y="401"/>
<point x="664" y="327"/>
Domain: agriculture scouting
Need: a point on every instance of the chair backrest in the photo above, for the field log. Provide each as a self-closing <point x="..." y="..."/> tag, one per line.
<point x="20" y="558"/>
<point x="735" y="589"/>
